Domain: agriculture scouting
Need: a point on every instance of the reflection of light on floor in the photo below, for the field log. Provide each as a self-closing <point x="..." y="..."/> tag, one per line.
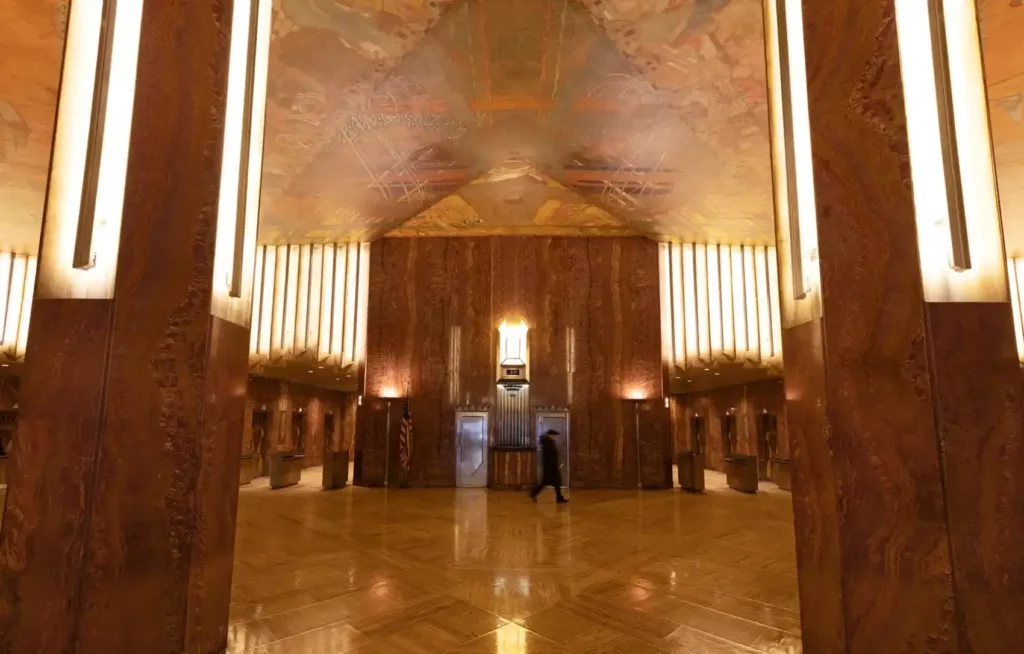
<point x="511" y="640"/>
<point x="524" y="586"/>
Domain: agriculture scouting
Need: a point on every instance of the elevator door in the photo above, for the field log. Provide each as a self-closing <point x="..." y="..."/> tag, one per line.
<point x="559" y="421"/>
<point x="471" y="449"/>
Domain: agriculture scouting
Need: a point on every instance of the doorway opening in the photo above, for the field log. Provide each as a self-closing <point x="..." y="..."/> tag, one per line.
<point x="261" y="441"/>
<point x="767" y="444"/>
<point x="558" y="421"/>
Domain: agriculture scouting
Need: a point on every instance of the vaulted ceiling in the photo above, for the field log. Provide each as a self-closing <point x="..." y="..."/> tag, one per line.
<point x="532" y="116"/>
<point x="420" y="117"/>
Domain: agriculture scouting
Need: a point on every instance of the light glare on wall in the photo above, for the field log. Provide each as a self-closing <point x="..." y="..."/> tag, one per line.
<point x="724" y="304"/>
<point x="954" y="190"/>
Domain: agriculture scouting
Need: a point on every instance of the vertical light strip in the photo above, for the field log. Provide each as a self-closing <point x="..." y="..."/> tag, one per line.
<point x="338" y="317"/>
<point x="975" y="173"/>
<point x="776" y="310"/>
<point x="257" y="303"/>
<point x="26" y="306"/>
<point x="267" y="301"/>
<point x="363" y="305"/>
<point x="690" y="309"/>
<point x="739" y="301"/>
<point x="302" y="301"/>
<point x="665" y="292"/>
<point x="728" y="293"/>
<point x="280" y="296"/>
<point x="115" y="110"/>
<point x="90" y="154"/>
<point x="764" y="310"/>
<point x="1018" y="327"/>
<point x="351" y="299"/>
<point x="327" y="310"/>
<point x="6" y="263"/>
<point x="235" y="151"/>
<point x="291" y="295"/>
<point x="316" y="298"/>
<point x="750" y="293"/>
<point x="703" y="310"/>
<point x="678" y="327"/>
<point x="714" y="302"/>
<point x="806" y="244"/>
<point x="951" y="161"/>
<point x="14" y="303"/>
<point x="1019" y="274"/>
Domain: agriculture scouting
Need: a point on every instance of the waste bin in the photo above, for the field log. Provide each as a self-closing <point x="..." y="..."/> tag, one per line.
<point x="741" y="473"/>
<point x="285" y="469"/>
<point x="691" y="471"/>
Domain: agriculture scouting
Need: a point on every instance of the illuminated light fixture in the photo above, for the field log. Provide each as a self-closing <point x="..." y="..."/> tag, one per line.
<point x="791" y="142"/>
<point x="90" y="156"/>
<point x="951" y="163"/>
<point x="17" y="284"/>
<point x="513" y="343"/>
<point x="726" y="308"/>
<point x="310" y="304"/>
<point x="1015" y="273"/>
<point x="242" y="162"/>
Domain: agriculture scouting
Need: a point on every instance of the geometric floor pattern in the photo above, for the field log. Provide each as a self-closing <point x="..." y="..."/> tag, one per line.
<point x="479" y="572"/>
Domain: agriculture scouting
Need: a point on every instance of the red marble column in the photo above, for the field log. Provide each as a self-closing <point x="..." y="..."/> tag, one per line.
<point x="119" y="527"/>
<point x="905" y="416"/>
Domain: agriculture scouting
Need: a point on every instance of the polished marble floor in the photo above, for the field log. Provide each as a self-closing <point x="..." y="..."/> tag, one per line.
<point x="433" y="571"/>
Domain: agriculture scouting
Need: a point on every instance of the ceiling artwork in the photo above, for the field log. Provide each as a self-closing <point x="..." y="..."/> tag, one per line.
<point x="535" y="116"/>
<point x="1002" y="24"/>
<point x="31" y="47"/>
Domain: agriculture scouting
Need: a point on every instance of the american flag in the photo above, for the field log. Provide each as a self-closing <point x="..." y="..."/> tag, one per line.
<point x="405" y="438"/>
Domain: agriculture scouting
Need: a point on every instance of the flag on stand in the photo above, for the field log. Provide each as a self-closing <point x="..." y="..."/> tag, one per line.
<point x="405" y="439"/>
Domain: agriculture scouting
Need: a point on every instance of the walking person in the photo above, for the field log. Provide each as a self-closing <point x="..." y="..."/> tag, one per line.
<point x="551" y="473"/>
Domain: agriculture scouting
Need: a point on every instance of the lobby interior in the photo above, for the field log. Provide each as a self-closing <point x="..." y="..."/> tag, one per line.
<point x="289" y="289"/>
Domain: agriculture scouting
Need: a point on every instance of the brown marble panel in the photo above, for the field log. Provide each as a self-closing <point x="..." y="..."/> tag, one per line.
<point x="213" y="540"/>
<point x="52" y="465"/>
<point x="978" y="397"/>
<point x="879" y="421"/>
<point x="815" y="509"/>
<point x="604" y="288"/>
<point x="656" y="455"/>
<point x="747" y="402"/>
<point x="285" y="399"/>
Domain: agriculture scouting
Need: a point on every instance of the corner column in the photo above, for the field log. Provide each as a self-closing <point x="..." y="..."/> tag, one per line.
<point x="118" y="534"/>
<point x="902" y="379"/>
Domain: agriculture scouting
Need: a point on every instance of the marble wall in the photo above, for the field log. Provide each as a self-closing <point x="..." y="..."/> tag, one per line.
<point x="747" y="402"/>
<point x="595" y="297"/>
<point x="282" y="400"/>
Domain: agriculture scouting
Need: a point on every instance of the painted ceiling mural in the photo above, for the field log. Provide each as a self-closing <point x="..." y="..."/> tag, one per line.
<point x="31" y="46"/>
<point x="491" y="116"/>
<point x="1002" y="24"/>
<point x="533" y="116"/>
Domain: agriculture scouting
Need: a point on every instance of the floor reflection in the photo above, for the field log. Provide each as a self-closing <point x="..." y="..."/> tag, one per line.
<point x="433" y="571"/>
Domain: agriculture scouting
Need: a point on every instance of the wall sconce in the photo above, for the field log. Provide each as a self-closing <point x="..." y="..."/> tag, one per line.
<point x="513" y="343"/>
<point x="952" y="169"/>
